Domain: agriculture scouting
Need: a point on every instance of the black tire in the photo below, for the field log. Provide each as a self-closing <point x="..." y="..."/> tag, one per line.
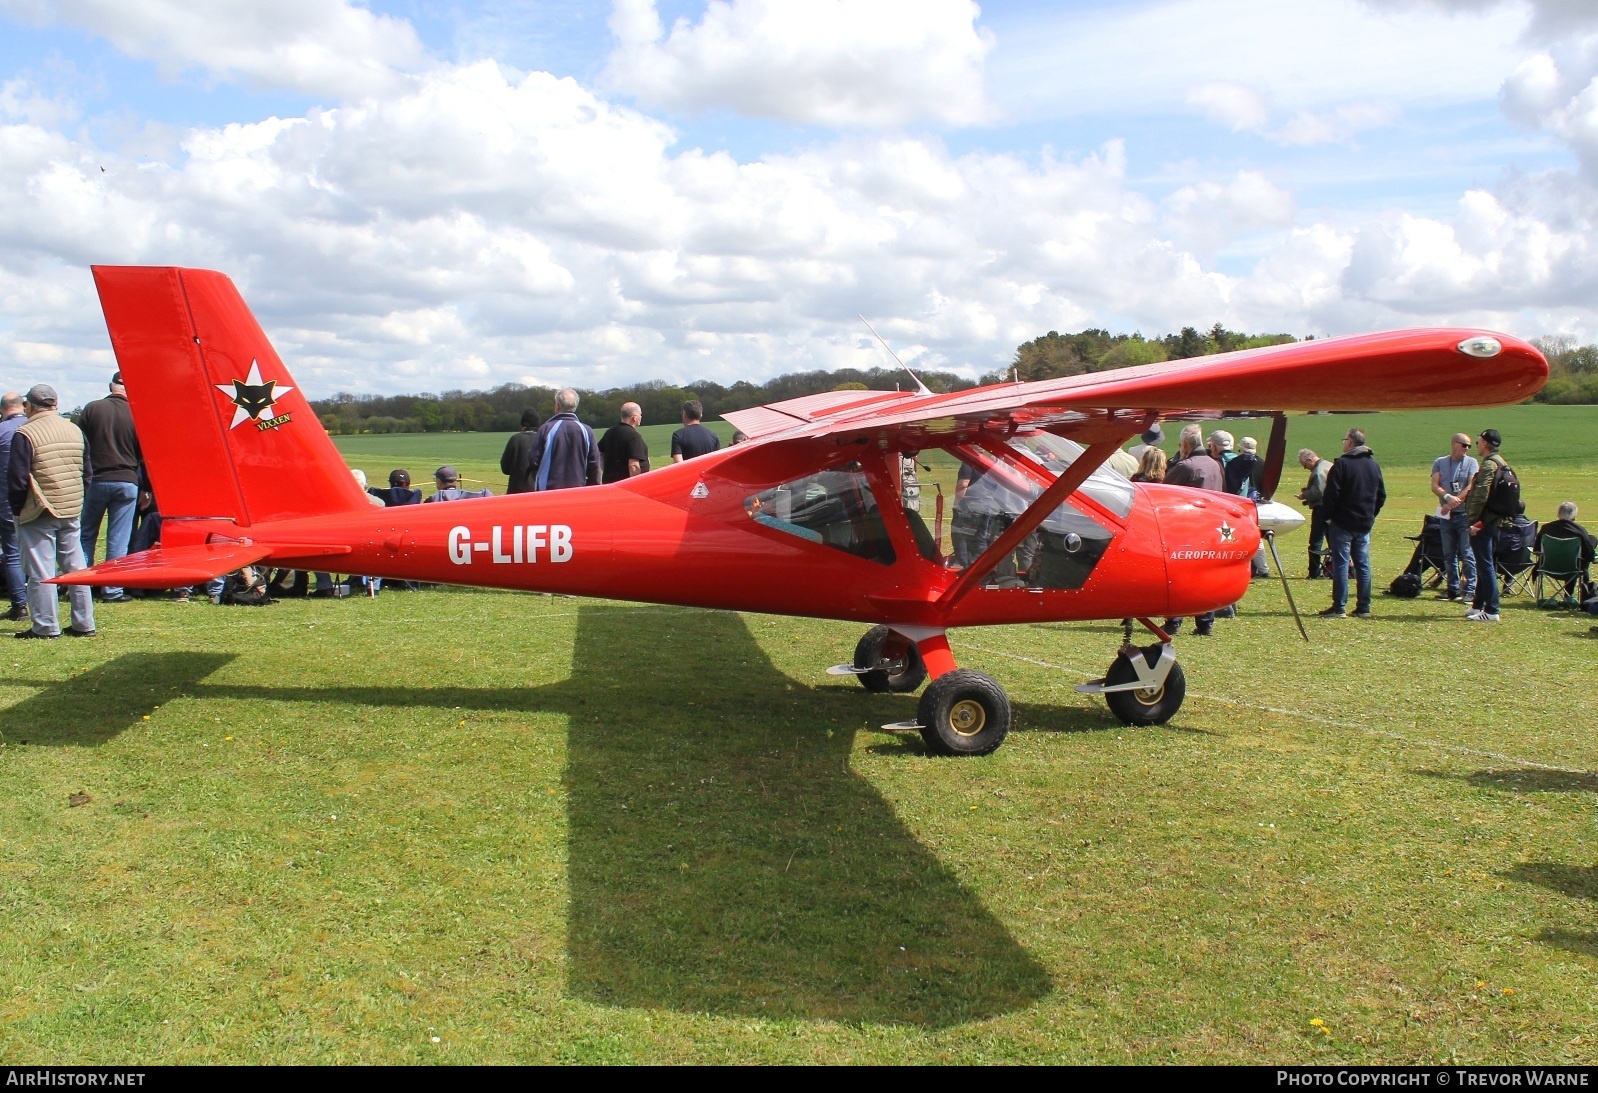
<point x="1141" y="707"/>
<point x="964" y="712"/>
<point x="883" y="646"/>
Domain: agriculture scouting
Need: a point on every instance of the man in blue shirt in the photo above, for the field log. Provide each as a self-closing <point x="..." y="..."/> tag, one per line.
<point x="16" y="586"/>
<point x="564" y="455"/>
<point x="1452" y="477"/>
<point x="693" y="439"/>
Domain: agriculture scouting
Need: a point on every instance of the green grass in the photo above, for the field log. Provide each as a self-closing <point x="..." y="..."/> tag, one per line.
<point x="545" y="829"/>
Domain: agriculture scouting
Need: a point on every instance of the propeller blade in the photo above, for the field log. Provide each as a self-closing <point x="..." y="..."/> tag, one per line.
<point x="1270" y="541"/>
<point x="1275" y="455"/>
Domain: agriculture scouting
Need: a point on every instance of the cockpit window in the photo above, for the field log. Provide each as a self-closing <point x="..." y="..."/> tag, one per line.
<point x="835" y="508"/>
<point x="989" y="495"/>
<point x="1055" y="453"/>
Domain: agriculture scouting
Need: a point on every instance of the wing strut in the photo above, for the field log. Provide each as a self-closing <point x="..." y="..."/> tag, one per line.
<point x="1049" y="500"/>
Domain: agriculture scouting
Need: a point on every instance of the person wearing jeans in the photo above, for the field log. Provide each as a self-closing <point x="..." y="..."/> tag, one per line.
<point x="111" y="502"/>
<point x="1453" y="475"/>
<point x="1346" y="546"/>
<point x="113" y="491"/>
<point x="1354" y="496"/>
<point x="46" y="479"/>
<point x="1485" y="519"/>
<point x="16" y="585"/>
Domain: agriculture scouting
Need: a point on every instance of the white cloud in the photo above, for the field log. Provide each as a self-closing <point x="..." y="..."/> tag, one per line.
<point x="470" y="227"/>
<point x="320" y="47"/>
<point x="849" y="63"/>
<point x="1243" y="109"/>
<point x="1204" y="216"/>
<point x="1311" y="55"/>
<point x="1231" y="104"/>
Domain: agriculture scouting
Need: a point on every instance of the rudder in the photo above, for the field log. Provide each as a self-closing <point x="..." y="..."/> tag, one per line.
<point x="226" y="432"/>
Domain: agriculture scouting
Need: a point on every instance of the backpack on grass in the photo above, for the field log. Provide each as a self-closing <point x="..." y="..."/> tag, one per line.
<point x="1405" y="586"/>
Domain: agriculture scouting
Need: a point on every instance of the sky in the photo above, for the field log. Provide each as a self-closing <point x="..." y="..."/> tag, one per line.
<point x="425" y="195"/>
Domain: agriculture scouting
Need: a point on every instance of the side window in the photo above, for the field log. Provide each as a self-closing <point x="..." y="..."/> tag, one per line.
<point x="835" y="508"/>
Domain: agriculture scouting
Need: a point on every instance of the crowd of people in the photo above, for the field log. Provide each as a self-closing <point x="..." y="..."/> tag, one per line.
<point x="66" y="480"/>
<point x="1478" y="507"/>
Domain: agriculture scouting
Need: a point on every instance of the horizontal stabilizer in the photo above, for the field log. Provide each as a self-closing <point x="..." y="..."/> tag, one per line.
<point x="175" y="567"/>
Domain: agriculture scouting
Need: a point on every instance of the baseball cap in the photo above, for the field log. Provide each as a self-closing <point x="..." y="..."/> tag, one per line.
<point x="1153" y="434"/>
<point x="41" y="394"/>
<point x="399" y="478"/>
<point x="1248" y="444"/>
<point x="447" y="473"/>
<point x="1221" y="439"/>
<point x="116" y="378"/>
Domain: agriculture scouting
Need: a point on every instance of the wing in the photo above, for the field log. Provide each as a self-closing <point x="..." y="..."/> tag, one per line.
<point x="1400" y="370"/>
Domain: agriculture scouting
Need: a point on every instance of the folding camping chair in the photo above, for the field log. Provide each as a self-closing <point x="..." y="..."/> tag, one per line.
<point x="1514" y="558"/>
<point x="1559" y="568"/>
<point x="1428" y="554"/>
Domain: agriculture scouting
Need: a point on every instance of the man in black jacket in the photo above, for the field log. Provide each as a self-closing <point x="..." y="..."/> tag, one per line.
<point x="519" y="477"/>
<point x="1354" y="495"/>
<point x="114" y="488"/>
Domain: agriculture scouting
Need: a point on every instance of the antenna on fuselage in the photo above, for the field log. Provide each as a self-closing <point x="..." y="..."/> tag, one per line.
<point x="921" y="388"/>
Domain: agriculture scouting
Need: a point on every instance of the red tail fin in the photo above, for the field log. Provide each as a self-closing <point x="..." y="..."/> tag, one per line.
<point x="226" y="432"/>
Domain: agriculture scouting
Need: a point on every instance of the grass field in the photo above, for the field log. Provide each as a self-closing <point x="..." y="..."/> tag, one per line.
<point x="465" y="826"/>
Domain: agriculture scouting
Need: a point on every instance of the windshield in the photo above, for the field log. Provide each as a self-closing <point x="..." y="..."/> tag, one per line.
<point x="1055" y="454"/>
<point x="990" y="494"/>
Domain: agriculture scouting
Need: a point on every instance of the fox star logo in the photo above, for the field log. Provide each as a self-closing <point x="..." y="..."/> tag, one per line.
<point x="1226" y="531"/>
<point x="254" y="399"/>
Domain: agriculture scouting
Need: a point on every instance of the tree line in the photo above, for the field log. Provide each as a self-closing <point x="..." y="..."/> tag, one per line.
<point x="1573" y="367"/>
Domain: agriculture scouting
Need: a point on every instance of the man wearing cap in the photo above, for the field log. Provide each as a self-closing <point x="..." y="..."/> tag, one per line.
<point x="448" y="479"/>
<point x="1195" y="469"/>
<point x="113" y="492"/>
<point x="399" y="490"/>
<point x="16" y="585"/>
<point x="1485" y="520"/>
<point x="1243" y="470"/>
<point x="1152" y="437"/>
<point x="46" y="479"/>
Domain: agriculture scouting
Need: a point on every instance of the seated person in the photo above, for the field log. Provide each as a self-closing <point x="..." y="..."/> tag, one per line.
<point x="448" y="479"/>
<point x="1566" y="528"/>
<point x="399" y="490"/>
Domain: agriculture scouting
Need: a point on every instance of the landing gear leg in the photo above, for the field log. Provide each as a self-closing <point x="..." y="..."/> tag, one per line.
<point x="1144" y="686"/>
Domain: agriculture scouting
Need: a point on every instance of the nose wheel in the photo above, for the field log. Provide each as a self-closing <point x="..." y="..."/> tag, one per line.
<point x="1143" y="686"/>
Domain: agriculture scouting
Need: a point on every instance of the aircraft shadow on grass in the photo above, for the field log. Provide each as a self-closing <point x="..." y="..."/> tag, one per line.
<point x="723" y="858"/>
<point x="91" y="708"/>
<point x="1575" y="881"/>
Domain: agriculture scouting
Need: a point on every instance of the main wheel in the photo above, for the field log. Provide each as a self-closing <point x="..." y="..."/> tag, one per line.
<point x="1145" y="707"/>
<point x="894" y="660"/>
<point x="964" y="712"/>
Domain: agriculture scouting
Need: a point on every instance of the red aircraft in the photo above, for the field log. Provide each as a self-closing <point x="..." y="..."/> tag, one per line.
<point x="805" y="519"/>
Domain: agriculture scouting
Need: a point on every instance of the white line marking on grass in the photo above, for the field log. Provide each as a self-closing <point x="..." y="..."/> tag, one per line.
<point x="1457" y="749"/>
